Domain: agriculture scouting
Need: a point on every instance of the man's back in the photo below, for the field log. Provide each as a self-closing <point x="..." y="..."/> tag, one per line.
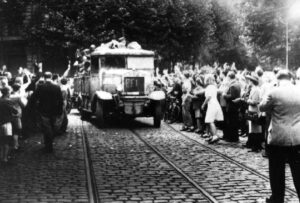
<point x="49" y="98"/>
<point x="284" y="104"/>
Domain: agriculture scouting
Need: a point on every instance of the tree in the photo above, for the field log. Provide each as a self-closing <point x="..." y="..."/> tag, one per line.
<point x="265" y="27"/>
<point x="187" y="31"/>
<point x="228" y="45"/>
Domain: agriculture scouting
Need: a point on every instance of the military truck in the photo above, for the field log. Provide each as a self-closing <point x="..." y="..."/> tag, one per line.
<point x="120" y="82"/>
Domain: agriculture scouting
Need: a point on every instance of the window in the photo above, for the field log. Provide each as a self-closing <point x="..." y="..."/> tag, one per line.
<point x="95" y="64"/>
<point x="113" y="62"/>
<point x="140" y="62"/>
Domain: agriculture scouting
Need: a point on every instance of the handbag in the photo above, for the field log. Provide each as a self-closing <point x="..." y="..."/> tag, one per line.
<point x="255" y="117"/>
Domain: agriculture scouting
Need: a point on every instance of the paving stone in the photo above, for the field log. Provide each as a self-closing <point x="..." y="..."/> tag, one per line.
<point x="127" y="170"/>
<point x="36" y="177"/>
<point x="141" y="174"/>
<point x="242" y="155"/>
<point x="216" y="175"/>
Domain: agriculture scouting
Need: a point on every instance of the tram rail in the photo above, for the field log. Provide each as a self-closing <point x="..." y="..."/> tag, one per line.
<point x="91" y="179"/>
<point x="175" y="167"/>
<point x="241" y="165"/>
<point x="89" y="170"/>
<point x="92" y="183"/>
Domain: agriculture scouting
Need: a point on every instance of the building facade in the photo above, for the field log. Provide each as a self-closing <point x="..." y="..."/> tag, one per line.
<point x="15" y="51"/>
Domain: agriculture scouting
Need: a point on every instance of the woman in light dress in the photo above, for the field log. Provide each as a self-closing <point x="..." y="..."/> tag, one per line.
<point x="214" y="111"/>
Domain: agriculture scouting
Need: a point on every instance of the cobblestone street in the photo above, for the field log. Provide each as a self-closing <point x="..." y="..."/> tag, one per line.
<point x="150" y="101"/>
<point x="33" y="176"/>
<point x="133" y="162"/>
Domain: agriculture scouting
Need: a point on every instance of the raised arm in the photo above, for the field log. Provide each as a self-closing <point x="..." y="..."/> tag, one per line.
<point x="67" y="71"/>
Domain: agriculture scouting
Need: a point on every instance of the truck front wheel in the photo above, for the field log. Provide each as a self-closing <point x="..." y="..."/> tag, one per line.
<point x="157" y="114"/>
<point x="100" y="112"/>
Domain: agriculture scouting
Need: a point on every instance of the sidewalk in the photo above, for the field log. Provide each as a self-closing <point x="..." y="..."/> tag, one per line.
<point x="33" y="176"/>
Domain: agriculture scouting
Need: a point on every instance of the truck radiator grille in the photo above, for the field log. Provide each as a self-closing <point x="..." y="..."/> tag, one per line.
<point x="134" y="84"/>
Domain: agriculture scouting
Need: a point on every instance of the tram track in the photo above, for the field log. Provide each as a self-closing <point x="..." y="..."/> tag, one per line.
<point x="91" y="180"/>
<point x="238" y="182"/>
<point x="178" y="158"/>
<point x="175" y="167"/>
<point x="93" y="191"/>
<point x="239" y="164"/>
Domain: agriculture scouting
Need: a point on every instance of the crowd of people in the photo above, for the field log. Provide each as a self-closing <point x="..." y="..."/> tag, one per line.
<point x="254" y="104"/>
<point x="217" y="102"/>
<point x="28" y="102"/>
<point x="38" y="100"/>
<point x="223" y="98"/>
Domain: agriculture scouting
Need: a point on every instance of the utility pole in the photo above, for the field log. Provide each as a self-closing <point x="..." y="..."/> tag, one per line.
<point x="287" y="45"/>
<point x="1" y="35"/>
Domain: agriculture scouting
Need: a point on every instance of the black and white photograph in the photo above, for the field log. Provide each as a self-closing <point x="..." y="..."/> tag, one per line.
<point x="149" y="101"/>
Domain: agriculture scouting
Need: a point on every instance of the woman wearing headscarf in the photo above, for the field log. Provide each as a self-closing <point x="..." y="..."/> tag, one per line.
<point x="186" y="102"/>
<point x="255" y="137"/>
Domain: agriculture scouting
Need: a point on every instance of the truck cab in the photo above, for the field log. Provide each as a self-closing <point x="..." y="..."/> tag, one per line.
<point x="121" y="82"/>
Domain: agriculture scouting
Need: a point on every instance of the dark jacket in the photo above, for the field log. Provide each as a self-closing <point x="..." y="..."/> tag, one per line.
<point x="7" y="110"/>
<point x="49" y="99"/>
<point x="233" y="93"/>
<point x="198" y="97"/>
<point x="176" y="91"/>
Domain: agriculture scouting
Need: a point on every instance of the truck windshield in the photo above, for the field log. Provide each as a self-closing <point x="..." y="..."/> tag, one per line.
<point x="113" y="61"/>
<point x="140" y="62"/>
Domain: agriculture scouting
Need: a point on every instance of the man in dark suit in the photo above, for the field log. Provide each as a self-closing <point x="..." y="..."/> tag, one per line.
<point x="232" y="109"/>
<point x="49" y="100"/>
<point x="283" y="104"/>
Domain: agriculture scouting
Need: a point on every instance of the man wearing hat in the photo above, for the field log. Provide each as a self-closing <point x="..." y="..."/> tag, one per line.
<point x="49" y="100"/>
<point x="283" y="103"/>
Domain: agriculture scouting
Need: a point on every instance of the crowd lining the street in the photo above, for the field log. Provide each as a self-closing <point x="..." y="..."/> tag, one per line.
<point x="31" y="102"/>
<point x="219" y="96"/>
<point x="266" y="109"/>
<point x="205" y="100"/>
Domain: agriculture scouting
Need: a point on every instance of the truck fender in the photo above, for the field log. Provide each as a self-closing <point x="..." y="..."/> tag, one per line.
<point x="103" y="95"/>
<point x="157" y="95"/>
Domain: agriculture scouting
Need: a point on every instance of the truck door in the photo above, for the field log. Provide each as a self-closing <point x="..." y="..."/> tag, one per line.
<point x="94" y="81"/>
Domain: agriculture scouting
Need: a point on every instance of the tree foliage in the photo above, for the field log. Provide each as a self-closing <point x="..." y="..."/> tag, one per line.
<point x="265" y="27"/>
<point x="187" y="31"/>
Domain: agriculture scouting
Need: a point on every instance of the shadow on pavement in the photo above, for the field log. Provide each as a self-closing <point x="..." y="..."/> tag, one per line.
<point x="122" y="122"/>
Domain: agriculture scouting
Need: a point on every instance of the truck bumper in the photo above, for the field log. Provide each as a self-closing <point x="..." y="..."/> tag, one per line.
<point x="135" y="106"/>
